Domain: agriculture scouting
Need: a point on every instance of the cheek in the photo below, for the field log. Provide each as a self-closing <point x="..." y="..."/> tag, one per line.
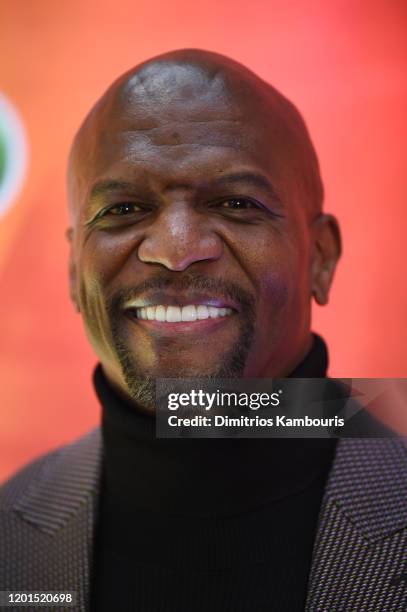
<point x="103" y="256"/>
<point x="93" y="313"/>
<point x="100" y="261"/>
<point x="104" y="264"/>
<point x="279" y="269"/>
<point x="275" y="294"/>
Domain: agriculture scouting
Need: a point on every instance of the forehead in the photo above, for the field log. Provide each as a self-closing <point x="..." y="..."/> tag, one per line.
<point x="186" y="145"/>
<point x="184" y="125"/>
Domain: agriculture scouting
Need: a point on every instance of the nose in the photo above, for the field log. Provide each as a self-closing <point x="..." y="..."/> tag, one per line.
<point x="179" y="237"/>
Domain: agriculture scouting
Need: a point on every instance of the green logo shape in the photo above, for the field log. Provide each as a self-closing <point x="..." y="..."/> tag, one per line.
<point x="13" y="154"/>
<point x="2" y="158"/>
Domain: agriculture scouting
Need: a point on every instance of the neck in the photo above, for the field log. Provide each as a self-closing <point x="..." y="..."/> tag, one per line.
<point x="203" y="477"/>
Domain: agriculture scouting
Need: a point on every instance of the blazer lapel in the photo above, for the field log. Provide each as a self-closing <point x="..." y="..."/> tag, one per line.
<point x="61" y="504"/>
<point x="360" y="552"/>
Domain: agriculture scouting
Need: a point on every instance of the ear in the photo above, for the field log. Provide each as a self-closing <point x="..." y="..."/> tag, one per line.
<point x="72" y="270"/>
<point x="327" y="249"/>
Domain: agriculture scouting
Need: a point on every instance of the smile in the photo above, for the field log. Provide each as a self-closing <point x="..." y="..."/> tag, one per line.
<point x="181" y="314"/>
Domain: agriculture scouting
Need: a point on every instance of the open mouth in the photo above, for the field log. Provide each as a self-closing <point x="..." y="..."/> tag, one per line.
<point x="181" y="314"/>
<point x="193" y="310"/>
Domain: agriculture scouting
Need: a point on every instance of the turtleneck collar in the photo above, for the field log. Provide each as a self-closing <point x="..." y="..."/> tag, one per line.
<point x="204" y="477"/>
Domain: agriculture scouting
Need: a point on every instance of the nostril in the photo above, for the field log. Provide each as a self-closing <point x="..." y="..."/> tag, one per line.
<point x="178" y="256"/>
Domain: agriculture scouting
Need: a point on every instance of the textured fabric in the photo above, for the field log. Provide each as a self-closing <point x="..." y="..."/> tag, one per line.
<point x="360" y="553"/>
<point x="47" y="520"/>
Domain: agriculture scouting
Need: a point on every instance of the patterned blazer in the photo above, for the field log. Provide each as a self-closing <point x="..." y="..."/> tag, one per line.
<point x="47" y="514"/>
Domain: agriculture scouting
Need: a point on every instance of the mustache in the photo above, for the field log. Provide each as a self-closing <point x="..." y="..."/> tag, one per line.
<point x="188" y="281"/>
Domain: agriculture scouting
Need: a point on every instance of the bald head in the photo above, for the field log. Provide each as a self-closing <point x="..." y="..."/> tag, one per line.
<point x="155" y="95"/>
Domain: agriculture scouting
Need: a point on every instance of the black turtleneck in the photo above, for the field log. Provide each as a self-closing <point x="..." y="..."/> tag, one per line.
<point x="205" y="525"/>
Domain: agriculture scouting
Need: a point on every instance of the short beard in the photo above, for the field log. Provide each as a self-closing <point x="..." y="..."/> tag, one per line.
<point x="141" y="386"/>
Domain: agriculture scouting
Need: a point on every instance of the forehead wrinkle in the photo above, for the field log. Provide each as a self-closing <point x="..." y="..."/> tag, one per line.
<point x="176" y="124"/>
<point x="188" y="132"/>
<point x="143" y="146"/>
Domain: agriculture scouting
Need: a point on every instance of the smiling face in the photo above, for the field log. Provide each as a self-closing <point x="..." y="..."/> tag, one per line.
<point x="197" y="239"/>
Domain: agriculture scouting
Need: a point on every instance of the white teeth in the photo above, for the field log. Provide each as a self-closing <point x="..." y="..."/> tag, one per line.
<point x="189" y="313"/>
<point x="176" y="314"/>
<point x="160" y="313"/>
<point x="150" y="312"/>
<point x="173" y="314"/>
<point x="202" y="312"/>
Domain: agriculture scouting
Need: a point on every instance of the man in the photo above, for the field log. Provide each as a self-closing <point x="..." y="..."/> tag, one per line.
<point x="197" y="243"/>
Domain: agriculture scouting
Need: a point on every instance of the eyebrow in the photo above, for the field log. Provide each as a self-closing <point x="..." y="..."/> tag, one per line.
<point x="105" y="186"/>
<point x="252" y="178"/>
<point x="102" y="187"/>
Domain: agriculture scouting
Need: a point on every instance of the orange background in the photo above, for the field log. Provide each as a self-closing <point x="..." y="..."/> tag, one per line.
<point x="342" y="63"/>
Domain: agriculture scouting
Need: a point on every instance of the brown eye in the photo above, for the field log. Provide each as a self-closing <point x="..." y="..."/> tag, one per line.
<point x="120" y="210"/>
<point x="238" y="204"/>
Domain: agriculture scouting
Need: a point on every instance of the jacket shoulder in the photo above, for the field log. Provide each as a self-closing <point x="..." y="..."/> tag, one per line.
<point x="57" y="460"/>
<point x="17" y="483"/>
<point x="47" y="514"/>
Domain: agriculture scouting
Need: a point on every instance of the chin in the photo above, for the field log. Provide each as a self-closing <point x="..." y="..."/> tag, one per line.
<point x="183" y="369"/>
